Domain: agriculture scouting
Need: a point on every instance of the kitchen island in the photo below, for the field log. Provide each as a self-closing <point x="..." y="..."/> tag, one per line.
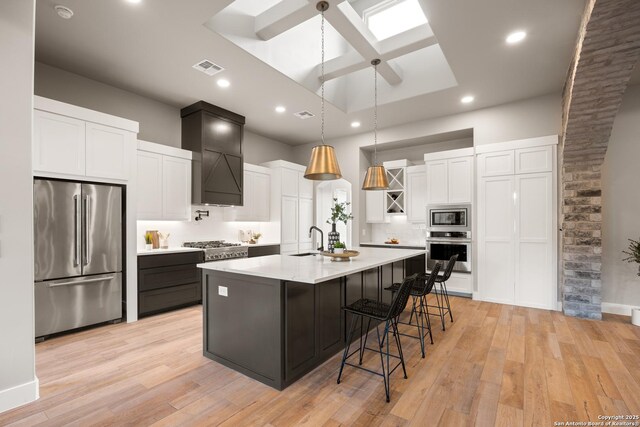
<point x="276" y="318"/>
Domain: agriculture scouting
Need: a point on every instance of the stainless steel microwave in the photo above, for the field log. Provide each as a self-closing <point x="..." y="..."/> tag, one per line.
<point x="449" y="217"/>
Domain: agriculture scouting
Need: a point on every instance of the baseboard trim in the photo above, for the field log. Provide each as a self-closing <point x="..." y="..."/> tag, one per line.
<point x="621" y="309"/>
<point x="19" y="395"/>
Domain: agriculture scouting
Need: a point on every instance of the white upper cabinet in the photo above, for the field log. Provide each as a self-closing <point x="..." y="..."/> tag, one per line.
<point x="305" y="220"/>
<point x="176" y="188"/>
<point x="496" y="163"/>
<point x="534" y="160"/>
<point x="289" y="220"/>
<point x="305" y="186"/>
<point x="149" y="197"/>
<point x="58" y="144"/>
<point x="71" y="141"/>
<point x="460" y="180"/>
<point x="416" y="194"/>
<point x="375" y="208"/>
<point x="164" y="182"/>
<point x="290" y="179"/>
<point x="256" y="196"/>
<point x="437" y="182"/>
<point x="449" y="176"/>
<point x="107" y="151"/>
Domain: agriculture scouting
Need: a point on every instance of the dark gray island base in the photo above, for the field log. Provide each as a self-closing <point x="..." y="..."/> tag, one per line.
<point x="276" y="331"/>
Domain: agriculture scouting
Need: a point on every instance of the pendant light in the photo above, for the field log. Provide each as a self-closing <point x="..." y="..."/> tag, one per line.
<point x="376" y="177"/>
<point x="323" y="165"/>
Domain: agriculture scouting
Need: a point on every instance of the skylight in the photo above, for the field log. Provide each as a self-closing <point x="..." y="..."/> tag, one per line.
<point x="393" y="17"/>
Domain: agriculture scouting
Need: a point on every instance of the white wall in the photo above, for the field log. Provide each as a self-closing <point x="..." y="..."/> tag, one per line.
<point x="18" y="384"/>
<point x="159" y="122"/>
<point x="517" y="120"/>
<point x="415" y="154"/>
<point x="621" y="203"/>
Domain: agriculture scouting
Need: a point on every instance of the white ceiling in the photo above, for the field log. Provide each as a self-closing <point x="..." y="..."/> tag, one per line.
<point x="149" y="49"/>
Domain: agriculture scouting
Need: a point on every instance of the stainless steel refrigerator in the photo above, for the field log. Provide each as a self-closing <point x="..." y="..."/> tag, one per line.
<point x="78" y="254"/>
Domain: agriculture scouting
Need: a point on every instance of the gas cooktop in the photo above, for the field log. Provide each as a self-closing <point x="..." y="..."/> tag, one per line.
<point x="210" y="244"/>
<point x="215" y="250"/>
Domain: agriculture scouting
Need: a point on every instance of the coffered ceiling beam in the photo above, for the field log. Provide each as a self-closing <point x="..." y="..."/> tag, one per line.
<point x="346" y="21"/>
<point x="391" y="48"/>
<point x="282" y="17"/>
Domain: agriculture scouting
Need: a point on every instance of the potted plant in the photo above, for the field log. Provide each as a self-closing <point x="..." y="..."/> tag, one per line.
<point x="633" y="255"/>
<point x="339" y="213"/>
<point x="255" y="237"/>
<point x="148" y="240"/>
<point x="339" y="248"/>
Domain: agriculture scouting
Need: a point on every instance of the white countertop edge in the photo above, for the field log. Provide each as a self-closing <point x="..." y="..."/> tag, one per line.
<point x="171" y="250"/>
<point x="356" y="263"/>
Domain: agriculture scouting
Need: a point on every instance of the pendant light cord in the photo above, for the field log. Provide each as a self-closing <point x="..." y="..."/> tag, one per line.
<point x="375" y="114"/>
<point x="322" y="80"/>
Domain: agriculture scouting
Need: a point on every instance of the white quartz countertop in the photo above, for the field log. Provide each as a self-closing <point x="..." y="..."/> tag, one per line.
<point x="310" y="269"/>
<point x="170" y="250"/>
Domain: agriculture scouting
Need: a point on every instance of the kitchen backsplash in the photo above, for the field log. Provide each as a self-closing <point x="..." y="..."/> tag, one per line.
<point x="210" y="228"/>
<point x="406" y="232"/>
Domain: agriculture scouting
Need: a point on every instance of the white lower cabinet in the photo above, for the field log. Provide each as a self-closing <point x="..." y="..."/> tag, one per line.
<point x="256" y="196"/>
<point x="516" y="229"/>
<point x="460" y="282"/>
<point x="164" y="182"/>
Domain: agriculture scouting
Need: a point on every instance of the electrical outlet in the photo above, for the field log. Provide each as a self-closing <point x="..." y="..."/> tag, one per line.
<point x="223" y="291"/>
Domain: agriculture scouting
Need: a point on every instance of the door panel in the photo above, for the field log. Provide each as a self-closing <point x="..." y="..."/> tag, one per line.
<point x="149" y="198"/>
<point x="416" y="197"/>
<point x="289" y="220"/>
<point x="496" y="243"/>
<point x="305" y="221"/>
<point x="459" y="180"/>
<point x="102" y="228"/>
<point x="58" y="144"/>
<point x="57" y="231"/>
<point x="535" y="273"/>
<point x="532" y="160"/>
<point x="437" y="178"/>
<point x="107" y="151"/>
<point x="496" y="164"/>
<point x="176" y="188"/>
<point x="72" y="303"/>
<point x="375" y="209"/>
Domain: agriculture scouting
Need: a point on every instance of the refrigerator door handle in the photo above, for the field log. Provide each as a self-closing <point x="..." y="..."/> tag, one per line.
<point x="85" y="221"/>
<point x="81" y="282"/>
<point x="77" y="230"/>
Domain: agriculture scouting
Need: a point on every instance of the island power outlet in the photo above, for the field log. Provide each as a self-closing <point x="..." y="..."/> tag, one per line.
<point x="223" y="291"/>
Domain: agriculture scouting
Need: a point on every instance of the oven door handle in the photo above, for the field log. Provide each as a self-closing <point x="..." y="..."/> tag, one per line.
<point x="449" y="241"/>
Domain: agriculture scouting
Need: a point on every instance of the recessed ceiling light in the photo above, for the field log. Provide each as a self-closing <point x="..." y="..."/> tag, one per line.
<point x="63" y="12"/>
<point x="516" y="37"/>
<point x="223" y="83"/>
<point x="134" y="1"/>
<point x="467" y="99"/>
<point x="280" y="109"/>
<point x="355" y="124"/>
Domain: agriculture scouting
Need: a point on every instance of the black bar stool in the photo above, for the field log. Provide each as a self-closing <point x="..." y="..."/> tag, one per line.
<point x="387" y="313"/>
<point x="442" y="295"/>
<point x="422" y="287"/>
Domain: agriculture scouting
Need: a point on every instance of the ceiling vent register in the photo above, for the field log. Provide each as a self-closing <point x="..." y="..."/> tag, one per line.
<point x="303" y="114"/>
<point x="208" y="67"/>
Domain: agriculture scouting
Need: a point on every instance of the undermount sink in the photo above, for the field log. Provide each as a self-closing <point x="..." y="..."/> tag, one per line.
<point x="305" y="254"/>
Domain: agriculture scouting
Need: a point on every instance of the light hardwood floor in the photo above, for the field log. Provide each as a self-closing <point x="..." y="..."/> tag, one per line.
<point x="495" y="365"/>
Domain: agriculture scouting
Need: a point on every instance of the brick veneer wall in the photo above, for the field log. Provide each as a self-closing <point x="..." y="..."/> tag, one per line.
<point x="607" y="50"/>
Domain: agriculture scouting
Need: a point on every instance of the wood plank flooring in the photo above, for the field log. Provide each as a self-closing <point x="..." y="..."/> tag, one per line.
<point x="495" y="365"/>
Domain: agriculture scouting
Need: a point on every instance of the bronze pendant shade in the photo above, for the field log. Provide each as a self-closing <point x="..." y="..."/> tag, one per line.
<point x="376" y="177"/>
<point x="323" y="165"/>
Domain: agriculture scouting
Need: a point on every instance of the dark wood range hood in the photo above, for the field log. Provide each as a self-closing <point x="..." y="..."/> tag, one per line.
<point x="214" y="135"/>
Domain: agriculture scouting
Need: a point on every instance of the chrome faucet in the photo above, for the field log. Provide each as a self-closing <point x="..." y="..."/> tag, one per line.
<point x="313" y="227"/>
